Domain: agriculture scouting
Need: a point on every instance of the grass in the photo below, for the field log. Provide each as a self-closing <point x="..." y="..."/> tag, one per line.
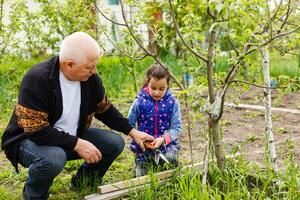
<point x="284" y="65"/>
<point x="240" y="180"/>
<point x="11" y="72"/>
<point x="280" y="65"/>
<point x="11" y="184"/>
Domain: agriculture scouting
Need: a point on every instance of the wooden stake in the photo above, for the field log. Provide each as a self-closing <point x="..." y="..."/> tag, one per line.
<point x="144" y="179"/>
<point x="118" y="193"/>
<point x="258" y="107"/>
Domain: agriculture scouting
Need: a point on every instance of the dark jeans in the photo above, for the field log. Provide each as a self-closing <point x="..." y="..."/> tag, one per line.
<point x="46" y="162"/>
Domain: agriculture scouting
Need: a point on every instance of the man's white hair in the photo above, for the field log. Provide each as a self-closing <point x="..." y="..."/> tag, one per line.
<point x="78" y="46"/>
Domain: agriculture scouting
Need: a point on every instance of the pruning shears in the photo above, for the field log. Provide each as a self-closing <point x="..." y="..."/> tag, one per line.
<point x="157" y="153"/>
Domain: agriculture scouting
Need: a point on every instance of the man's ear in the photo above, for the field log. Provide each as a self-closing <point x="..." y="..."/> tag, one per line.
<point x="70" y="64"/>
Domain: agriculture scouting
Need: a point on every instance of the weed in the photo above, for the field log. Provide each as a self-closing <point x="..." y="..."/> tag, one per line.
<point x="252" y="138"/>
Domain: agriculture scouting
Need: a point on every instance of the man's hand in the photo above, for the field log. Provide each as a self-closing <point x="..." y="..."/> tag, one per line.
<point x="140" y="137"/>
<point x="87" y="151"/>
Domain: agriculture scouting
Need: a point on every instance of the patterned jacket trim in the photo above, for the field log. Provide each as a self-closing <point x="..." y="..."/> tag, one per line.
<point x="31" y="120"/>
<point x="103" y="105"/>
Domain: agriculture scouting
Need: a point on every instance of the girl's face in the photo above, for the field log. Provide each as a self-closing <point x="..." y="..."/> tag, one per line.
<point x="157" y="88"/>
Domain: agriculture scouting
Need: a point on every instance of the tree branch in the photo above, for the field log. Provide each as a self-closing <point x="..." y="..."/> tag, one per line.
<point x="57" y="23"/>
<point x="232" y="72"/>
<point x="209" y="13"/>
<point x="181" y="37"/>
<point x="232" y="45"/>
<point x="223" y="20"/>
<point x="269" y="18"/>
<point x="256" y="85"/>
<point x="277" y="9"/>
<point x="123" y="52"/>
<point x="131" y="33"/>
<point x="280" y="35"/>
<point x="154" y="56"/>
<point x="119" y="49"/>
<point x="7" y="39"/>
<point x="172" y="75"/>
<point x="287" y="52"/>
<point x="107" y="18"/>
<point x="286" y="15"/>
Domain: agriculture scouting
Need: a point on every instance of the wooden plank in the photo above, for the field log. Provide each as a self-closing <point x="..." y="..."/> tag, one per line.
<point x="107" y="196"/>
<point x="94" y="196"/>
<point x="143" y="179"/>
<point x="258" y="107"/>
<point x="118" y="193"/>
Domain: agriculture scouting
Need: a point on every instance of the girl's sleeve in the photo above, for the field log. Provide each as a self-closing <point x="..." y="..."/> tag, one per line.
<point x="175" y="126"/>
<point x="133" y="113"/>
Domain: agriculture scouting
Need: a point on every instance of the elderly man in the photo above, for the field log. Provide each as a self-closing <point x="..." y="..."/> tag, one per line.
<point x="50" y="124"/>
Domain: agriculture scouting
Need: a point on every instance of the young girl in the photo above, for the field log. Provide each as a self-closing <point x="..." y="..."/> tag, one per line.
<point x="157" y="113"/>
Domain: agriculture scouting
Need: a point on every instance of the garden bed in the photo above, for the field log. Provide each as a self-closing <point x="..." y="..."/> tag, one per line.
<point x="244" y="129"/>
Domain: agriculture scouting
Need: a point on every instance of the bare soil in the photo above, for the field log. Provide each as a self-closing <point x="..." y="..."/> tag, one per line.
<point x="244" y="129"/>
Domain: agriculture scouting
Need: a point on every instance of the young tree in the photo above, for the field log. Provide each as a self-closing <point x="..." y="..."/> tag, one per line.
<point x="269" y="138"/>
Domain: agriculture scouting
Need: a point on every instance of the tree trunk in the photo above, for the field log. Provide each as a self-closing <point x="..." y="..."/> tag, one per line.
<point x="271" y="154"/>
<point x="213" y="124"/>
<point x="218" y="145"/>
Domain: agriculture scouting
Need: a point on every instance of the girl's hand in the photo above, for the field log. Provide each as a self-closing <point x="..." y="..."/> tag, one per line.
<point x="158" y="142"/>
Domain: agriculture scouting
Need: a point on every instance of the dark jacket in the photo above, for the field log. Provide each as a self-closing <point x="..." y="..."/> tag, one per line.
<point x="39" y="107"/>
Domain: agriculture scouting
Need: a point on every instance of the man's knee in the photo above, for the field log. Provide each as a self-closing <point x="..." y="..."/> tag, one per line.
<point x="118" y="145"/>
<point x="53" y="163"/>
<point x="109" y="142"/>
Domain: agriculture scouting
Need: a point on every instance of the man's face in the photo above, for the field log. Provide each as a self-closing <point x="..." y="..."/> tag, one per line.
<point x="84" y="70"/>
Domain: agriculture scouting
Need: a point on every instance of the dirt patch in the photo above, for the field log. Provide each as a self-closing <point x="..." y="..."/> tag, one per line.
<point x="244" y="129"/>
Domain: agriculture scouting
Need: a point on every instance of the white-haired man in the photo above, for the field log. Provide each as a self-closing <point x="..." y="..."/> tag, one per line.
<point x="51" y="121"/>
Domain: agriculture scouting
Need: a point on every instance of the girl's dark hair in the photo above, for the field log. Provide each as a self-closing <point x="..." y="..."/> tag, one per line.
<point x="158" y="72"/>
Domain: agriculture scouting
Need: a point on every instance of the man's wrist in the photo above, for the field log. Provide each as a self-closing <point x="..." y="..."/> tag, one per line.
<point x="132" y="132"/>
